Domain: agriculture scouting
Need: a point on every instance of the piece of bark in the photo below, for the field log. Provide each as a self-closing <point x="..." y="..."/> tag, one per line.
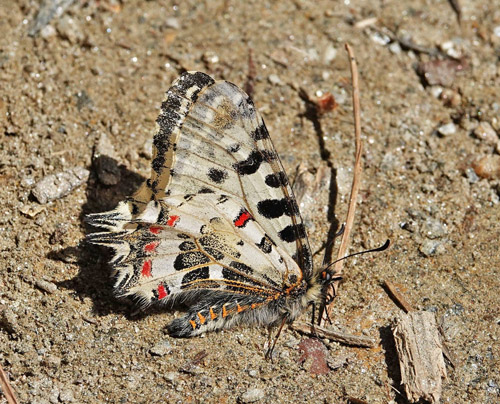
<point x="420" y="356"/>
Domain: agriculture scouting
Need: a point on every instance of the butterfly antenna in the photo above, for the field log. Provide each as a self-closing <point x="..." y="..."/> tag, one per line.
<point x="381" y="248"/>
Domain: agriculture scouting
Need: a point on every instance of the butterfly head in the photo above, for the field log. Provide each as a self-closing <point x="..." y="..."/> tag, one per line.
<point x="327" y="276"/>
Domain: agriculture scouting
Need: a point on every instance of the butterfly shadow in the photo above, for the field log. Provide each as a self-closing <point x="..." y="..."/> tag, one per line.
<point x="94" y="277"/>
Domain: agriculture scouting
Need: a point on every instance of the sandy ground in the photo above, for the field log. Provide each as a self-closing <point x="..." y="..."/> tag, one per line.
<point x="102" y="67"/>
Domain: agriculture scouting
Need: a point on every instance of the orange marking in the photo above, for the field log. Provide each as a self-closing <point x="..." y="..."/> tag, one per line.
<point x="193" y="324"/>
<point x="162" y="292"/>
<point x="239" y="308"/>
<point x="254" y="305"/>
<point x="202" y="318"/>
<point x="150" y="247"/>
<point x="146" y="269"/>
<point x="172" y="220"/>
<point x="224" y="311"/>
<point x="155" y="229"/>
<point x="212" y="314"/>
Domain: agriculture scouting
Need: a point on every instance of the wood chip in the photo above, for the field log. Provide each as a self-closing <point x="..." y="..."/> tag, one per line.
<point x="420" y="356"/>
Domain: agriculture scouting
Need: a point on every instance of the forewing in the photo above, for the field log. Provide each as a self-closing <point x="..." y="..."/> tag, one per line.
<point x="210" y="138"/>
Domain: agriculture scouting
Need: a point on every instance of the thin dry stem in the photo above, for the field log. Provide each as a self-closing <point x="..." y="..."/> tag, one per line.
<point x="343" y="338"/>
<point x="7" y="389"/>
<point x="398" y="297"/>
<point x="338" y="268"/>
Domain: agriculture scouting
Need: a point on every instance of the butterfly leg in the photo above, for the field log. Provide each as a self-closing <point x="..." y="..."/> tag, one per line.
<point x="269" y="353"/>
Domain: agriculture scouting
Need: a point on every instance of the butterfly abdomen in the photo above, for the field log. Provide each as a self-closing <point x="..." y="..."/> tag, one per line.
<point x="224" y="310"/>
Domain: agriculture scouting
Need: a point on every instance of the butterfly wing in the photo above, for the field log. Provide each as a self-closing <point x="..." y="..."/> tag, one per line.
<point x="211" y="143"/>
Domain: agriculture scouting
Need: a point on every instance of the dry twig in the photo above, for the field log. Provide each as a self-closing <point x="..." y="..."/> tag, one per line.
<point x="343" y="338"/>
<point x="7" y="389"/>
<point x="355" y="182"/>
<point x="398" y="297"/>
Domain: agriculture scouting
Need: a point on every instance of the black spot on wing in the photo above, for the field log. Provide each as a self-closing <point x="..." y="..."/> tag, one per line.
<point x="217" y="175"/>
<point x="222" y="199"/>
<point x="273" y="208"/>
<point x="250" y="165"/>
<point x="240" y="266"/>
<point x="260" y="132"/>
<point x="194" y="275"/>
<point x="292" y="233"/>
<point x="234" y="148"/>
<point x="218" y="256"/>
<point x="276" y="180"/>
<point x="269" y="155"/>
<point x="265" y="245"/>
<point x="190" y="259"/>
<point x="233" y="276"/>
<point x="187" y="246"/>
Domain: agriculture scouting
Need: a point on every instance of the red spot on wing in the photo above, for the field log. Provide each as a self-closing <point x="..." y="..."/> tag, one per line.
<point x="155" y="229"/>
<point x="150" y="247"/>
<point x="172" y="220"/>
<point x="162" y="292"/>
<point x="146" y="269"/>
<point x="242" y="218"/>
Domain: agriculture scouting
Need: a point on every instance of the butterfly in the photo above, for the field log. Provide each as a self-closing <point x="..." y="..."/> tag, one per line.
<point x="216" y="227"/>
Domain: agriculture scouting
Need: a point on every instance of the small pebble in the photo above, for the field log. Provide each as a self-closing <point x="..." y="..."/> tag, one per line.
<point x="46" y="286"/>
<point x="66" y="396"/>
<point x="147" y="149"/>
<point x="451" y="98"/>
<point x="172" y="22"/>
<point x="47" y="32"/>
<point x="8" y="320"/>
<point x="447" y="129"/>
<point x="252" y="395"/>
<point x="70" y="29"/>
<point x="161" y="348"/>
<point x="103" y="146"/>
<point x="471" y="175"/>
<point x="487" y="167"/>
<point x="431" y="247"/>
<point x="485" y="132"/>
<point x="433" y="229"/>
<point x="210" y="58"/>
<point x="31" y="210"/>
<point x="330" y="54"/>
<point x="55" y="186"/>
<point x="170" y="377"/>
<point x="380" y="38"/>
<point x="395" y="48"/>
<point x="440" y="72"/>
<point x="275" y="80"/>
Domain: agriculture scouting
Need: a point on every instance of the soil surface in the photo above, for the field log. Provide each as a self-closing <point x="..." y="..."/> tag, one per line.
<point x="430" y="86"/>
